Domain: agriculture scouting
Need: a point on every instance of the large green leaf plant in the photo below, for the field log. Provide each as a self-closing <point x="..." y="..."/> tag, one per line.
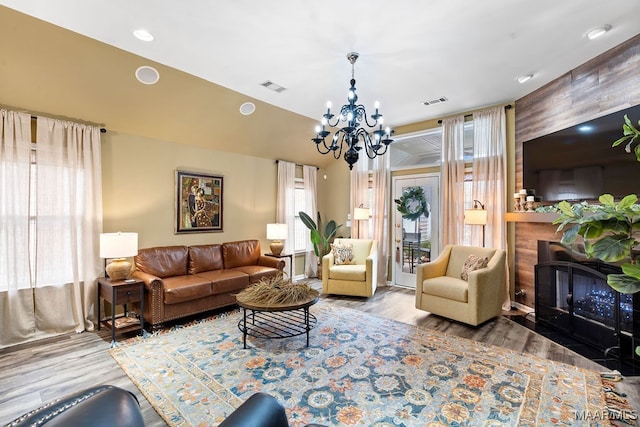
<point x="610" y="230"/>
<point x="321" y="237"/>
<point x="631" y="134"/>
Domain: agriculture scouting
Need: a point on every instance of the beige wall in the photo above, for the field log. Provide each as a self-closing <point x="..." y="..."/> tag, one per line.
<point x="138" y="190"/>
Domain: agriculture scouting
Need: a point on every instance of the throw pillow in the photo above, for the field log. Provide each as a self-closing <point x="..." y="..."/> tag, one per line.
<point x="472" y="263"/>
<point x="343" y="253"/>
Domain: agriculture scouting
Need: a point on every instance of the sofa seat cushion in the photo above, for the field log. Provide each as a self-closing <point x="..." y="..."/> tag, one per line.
<point x="256" y="272"/>
<point x="447" y="287"/>
<point x="185" y="288"/>
<point x="356" y="273"/>
<point x="223" y="281"/>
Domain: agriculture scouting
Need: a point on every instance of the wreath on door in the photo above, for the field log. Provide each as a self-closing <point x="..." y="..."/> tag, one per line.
<point x="412" y="204"/>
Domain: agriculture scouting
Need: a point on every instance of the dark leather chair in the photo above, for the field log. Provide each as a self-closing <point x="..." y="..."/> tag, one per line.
<point x="260" y="410"/>
<point x="102" y="406"/>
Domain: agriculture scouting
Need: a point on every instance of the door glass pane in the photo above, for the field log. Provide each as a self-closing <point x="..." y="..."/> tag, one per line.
<point x="416" y="233"/>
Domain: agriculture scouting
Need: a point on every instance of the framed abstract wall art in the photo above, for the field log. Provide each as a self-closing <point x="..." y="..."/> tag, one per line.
<point x="198" y="202"/>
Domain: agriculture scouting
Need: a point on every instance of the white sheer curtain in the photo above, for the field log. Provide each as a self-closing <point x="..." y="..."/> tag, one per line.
<point x="452" y="176"/>
<point x="378" y="204"/>
<point x="310" y="175"/>
<point x="359" y="197"/>
<point x="16" y="298"/>
<point x="489" y="176"/>
<point x="68" y="223"/>
<point x="379" y="213"/>
<point x="285" y="206"/>
<point x="51" y="221"/>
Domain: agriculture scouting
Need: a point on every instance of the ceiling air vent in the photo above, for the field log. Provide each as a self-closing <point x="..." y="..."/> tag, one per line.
<point x="436" y="101"/>
<point x="273" y="86"/>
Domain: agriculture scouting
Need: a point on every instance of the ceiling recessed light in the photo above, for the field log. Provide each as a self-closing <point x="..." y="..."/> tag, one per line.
<point x="523" y="79"/>
<point x="247" y="108"/>
<point x="597" y="32"/>
<point x="143" y="35"/>
<point x="147" y="75"/>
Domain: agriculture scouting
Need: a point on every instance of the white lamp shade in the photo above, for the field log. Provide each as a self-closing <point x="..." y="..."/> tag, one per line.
<point x="475" y="216"/>
<point x="118" y="245"/>
<point x="360" y="213"/>
<point x="277" y="231"/>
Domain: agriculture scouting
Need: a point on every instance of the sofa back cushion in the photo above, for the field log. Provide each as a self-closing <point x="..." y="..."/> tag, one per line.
<point x="163" y="261"/>
<point x="244" y="252"/>
<point x="205" y="258"/>
<point x="460" y="254"/>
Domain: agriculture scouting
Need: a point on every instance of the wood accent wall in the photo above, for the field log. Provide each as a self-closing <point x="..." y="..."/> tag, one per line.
<point x="606" y="84"/>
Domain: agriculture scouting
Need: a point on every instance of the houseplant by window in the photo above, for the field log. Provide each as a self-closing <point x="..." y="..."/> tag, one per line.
<point x="321" y="237"/>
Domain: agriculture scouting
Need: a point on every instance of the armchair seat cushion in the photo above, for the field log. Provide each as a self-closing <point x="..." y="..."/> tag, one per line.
<point x="447" y="287"/>
<point x="185" y="288"/>
<point x="356" y="273"/>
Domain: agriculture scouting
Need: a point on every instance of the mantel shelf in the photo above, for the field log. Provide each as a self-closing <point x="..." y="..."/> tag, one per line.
<point x="548" y="217"/>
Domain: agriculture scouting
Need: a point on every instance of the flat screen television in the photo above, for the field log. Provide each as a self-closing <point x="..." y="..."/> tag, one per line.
<point x="578" y="163"/>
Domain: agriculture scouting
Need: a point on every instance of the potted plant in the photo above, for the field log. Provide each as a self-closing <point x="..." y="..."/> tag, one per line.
<point x="611" y="230"/>
<point x="320" y="237"/>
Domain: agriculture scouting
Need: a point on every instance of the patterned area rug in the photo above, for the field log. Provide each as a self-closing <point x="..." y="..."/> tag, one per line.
<point x="358" y="370"/>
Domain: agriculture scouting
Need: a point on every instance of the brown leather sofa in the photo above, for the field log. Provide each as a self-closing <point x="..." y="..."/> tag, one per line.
<point x="186" y="280"/>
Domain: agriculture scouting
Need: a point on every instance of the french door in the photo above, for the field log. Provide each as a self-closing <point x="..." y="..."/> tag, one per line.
<point x="416" y="225"/>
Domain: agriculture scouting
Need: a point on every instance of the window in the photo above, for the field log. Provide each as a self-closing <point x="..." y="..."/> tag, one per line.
<point x="301" y="231"/>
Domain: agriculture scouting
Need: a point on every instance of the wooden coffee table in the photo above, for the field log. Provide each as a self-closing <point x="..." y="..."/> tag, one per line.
<point x="270" y="321"/>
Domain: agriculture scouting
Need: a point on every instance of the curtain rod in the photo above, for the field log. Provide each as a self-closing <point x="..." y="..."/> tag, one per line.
<point x="102" y="130"/>
<point x="317" y="168"/>
<point x="506" y="107"/>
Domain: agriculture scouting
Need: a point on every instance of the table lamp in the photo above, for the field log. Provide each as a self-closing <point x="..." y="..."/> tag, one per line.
<point x="476" y="216"/>
<point x="360" y="214"/>
<point x="277" y="233"/>
<point x="117" y="247"/>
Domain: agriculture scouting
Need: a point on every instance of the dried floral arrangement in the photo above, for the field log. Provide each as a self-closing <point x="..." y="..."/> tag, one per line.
<point x="277" y="291"/>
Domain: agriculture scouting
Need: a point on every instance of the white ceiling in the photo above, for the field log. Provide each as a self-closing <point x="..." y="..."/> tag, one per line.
<point x="411" y="51"/>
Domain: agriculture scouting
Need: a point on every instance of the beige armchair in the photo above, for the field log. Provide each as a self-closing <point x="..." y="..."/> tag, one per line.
<point x="441" y="290"/>
<point x="358" y="279"/>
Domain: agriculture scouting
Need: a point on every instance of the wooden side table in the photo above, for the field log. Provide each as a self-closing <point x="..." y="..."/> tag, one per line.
<point x="121" y="292"/>
<point x="290" y="256"/>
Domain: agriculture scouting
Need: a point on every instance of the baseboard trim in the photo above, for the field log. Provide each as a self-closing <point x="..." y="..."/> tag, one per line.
<point x="522" y="307"/>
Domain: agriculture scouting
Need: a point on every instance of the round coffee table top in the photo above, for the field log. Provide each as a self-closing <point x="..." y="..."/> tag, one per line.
<point x="311" y="299"/>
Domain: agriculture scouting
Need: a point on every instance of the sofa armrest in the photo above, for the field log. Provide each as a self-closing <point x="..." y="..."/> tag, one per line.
<point x="149" y="279"/>
<point x="327" y="262"/>
<point x="372" y="266"/>
<point x="260" y="410"/>
<point x="101" y="406"/>
<point x="434" y="268"/>
<point x="487" y="285"/>
<point x="269" y="261"/>
<point x="154" y="297"/>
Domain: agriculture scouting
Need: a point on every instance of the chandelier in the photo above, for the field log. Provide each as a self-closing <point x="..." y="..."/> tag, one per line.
<point x="351" y="137"/>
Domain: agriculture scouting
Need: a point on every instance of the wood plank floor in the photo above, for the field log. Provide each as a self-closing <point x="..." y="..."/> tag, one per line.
<point x="34" y="373"/>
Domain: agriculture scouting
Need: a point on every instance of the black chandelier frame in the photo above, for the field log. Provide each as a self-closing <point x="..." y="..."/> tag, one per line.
<point x="347" y="138"/>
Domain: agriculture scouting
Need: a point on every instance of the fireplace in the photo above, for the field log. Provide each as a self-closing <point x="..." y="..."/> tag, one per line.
<point x="573" y="298"/>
